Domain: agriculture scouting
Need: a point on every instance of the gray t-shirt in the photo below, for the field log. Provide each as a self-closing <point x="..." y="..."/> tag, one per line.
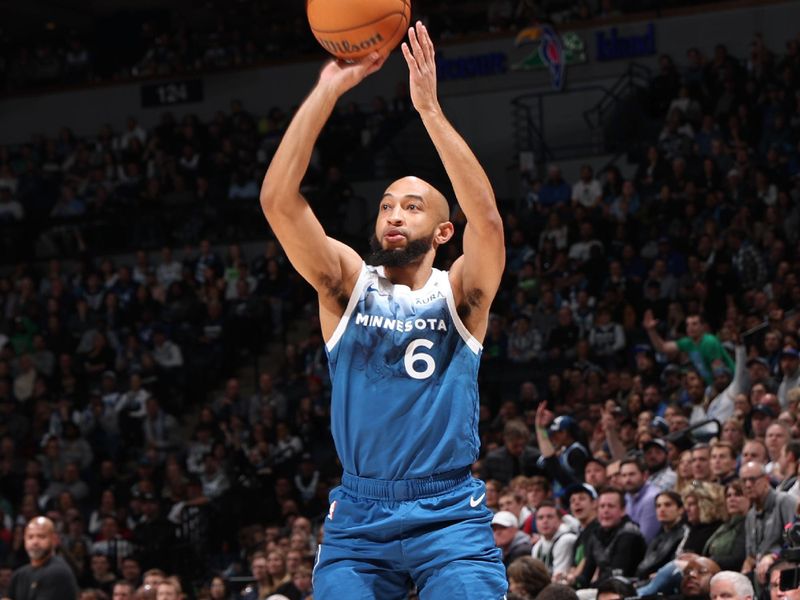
<point x="52" y="581"/>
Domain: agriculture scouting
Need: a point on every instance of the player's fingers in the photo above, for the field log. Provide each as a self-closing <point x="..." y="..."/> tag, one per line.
<point x="426" y="42"/>
<point x="412" y="38"/>
<point x="376" y="65"/>
<point x="412" y="63"/>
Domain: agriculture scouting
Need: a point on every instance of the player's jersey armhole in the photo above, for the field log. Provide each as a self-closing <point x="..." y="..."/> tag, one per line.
<point x="469" y="339"/>
<point x="351" y="305"/>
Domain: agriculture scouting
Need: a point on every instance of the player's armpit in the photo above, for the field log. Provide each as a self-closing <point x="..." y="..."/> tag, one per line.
<point x="475" y="276"/>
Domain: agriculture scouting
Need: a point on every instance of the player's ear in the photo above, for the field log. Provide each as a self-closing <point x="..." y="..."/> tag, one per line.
<point x="444" y="232"/>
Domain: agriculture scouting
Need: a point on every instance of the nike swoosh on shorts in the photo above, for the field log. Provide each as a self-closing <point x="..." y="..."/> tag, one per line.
<point x="473" y="502"/>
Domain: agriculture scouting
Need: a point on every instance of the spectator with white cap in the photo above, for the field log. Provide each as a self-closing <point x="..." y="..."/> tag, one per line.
<point x="508" y="537"/>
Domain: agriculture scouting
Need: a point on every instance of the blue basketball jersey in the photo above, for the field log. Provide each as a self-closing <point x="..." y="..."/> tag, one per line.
<point x="404" y="373"/>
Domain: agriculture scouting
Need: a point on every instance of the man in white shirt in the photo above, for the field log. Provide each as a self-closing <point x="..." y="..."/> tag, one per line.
<point x="169" y="270"/>
<point x="556" y="540"/>
<point x="587" y="191"/>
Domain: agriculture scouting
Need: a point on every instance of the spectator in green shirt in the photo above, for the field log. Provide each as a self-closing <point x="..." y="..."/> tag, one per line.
<point x="704" y="349"/>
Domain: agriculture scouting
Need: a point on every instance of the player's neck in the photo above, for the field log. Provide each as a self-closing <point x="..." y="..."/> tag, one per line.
<point x="414" y="276"/>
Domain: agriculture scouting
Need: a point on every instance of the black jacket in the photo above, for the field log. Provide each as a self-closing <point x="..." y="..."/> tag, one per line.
<point x="503" y="467"/>
<point x="614" y="552"/>
<point x="661" y="550"/>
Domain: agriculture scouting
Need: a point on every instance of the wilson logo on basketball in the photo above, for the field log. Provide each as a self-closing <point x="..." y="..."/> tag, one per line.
<point x="348" y="47"/>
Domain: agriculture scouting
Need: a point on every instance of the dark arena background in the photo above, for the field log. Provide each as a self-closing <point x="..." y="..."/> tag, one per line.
<point x="164" y="388"/>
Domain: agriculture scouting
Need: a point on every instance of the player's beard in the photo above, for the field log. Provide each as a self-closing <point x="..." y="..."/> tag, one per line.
<point x="398" y="257"/>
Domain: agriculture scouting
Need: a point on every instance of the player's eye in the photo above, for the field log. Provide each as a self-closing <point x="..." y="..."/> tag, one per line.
<point x="412" y="207"/>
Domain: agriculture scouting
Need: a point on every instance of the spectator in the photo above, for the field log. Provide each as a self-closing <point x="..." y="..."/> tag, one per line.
<point x="563" y="457"/>
<point x="703" y="348"/>
<point x="663" y="547"/>
<point x="587" y="192"/>
<point x="555" y="192"/>
<point x="696" y="581"/>
<point x="615" y="589"/>
<point x="508" y="537"/>
<point x="617" y="545"/>
<point x="790" y="369"/>
<point x="731" y="584"/>
<point x="556" y="540"/>
<point x="583" y="507"/>
<point x="513" y="501"/>
<point x="726" y="546"/>
<point x="769" y="512"/>
<point x="640" y="498"/>
<point x="723" y="463"/>
<point x="705" y="511"/>
<point x="660" y="474"/>
<point x="527" y="577"/>
<point x="514" y="458"/>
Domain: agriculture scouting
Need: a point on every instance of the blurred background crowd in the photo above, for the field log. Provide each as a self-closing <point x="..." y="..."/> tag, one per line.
<point x="633" y="310"/>
<point x="216" y="34"/>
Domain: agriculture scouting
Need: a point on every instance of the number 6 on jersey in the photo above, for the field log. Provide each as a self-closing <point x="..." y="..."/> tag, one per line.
<point x="410" y="359"/>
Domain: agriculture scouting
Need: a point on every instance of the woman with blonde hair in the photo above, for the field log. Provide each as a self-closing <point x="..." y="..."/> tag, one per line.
<point x="704" y="503"/>
<point x="276" y="568"/>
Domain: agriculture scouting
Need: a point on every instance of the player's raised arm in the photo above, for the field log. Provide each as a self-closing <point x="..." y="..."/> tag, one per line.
<point x="325" y="263"/>
<point x="476" y="276"/>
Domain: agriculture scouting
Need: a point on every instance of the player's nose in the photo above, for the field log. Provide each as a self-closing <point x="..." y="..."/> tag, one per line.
<point x="395" y="216"/>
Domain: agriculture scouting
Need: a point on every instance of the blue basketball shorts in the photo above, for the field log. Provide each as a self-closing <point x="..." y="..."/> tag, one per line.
<point x="380" y="537"/>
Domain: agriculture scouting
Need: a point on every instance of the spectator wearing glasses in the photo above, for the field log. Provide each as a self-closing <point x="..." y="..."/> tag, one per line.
<point x="696" y="582"/>
<point x="769" y="513"/>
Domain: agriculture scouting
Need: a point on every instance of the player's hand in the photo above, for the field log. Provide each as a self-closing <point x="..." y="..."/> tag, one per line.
<point x="419" y="55"/>
<point x="649" y="322"/>
<point x="342" y="76"/>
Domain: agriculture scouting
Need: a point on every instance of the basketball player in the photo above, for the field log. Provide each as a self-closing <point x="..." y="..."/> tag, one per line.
<point x="403" y="343"/>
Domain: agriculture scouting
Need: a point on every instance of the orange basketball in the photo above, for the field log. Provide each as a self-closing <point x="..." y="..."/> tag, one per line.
<point x="351" y="29"/>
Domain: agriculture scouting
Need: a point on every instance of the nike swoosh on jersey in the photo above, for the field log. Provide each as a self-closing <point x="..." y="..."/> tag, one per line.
<point x="473" y="502"/>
